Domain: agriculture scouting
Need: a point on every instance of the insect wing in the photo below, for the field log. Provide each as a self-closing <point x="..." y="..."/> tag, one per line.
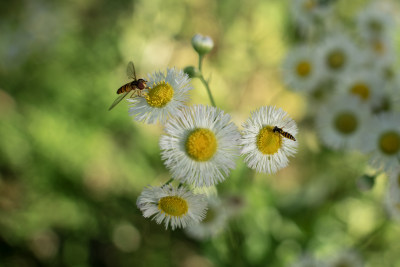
<point x="130" y="70"/>
<point x="119" y="99"/>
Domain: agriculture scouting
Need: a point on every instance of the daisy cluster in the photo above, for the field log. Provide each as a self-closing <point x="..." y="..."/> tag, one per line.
<point x="200" y="147"/>
<point x="350" y="79"/>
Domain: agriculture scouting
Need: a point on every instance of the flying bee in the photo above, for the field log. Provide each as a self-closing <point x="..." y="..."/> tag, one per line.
<point x="283" y="133"/>
<point x="137" y="85"/>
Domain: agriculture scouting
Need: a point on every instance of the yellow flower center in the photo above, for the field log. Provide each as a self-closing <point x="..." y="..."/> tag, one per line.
<point x="336" y="59"/>
<point x="345" y="122"/>
<point x="360" y="89"/>
<point x="201" y="144"/>
<point x="378" y="46"/>
<point x="173" y="206"/>
<point x="268" y="142"/>
<point x="303" y="68"/>
<point x="389" y="143"/>
<point x="308" y="5"/>
<point x="160" y="95"/>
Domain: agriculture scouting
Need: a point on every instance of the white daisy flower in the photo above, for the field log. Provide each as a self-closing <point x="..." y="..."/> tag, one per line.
<point x="265" y="149"/>
<point x="337" y="54"/>
<point x="384" y="144"/>
<point x="306" y="13"/>
<point x="343" y="122"/>
<point x="200" y="145"/>
<point x="177" y="207"/>
<point x="306" y="261"/>
<point x="301" y="71"/>
<point x="392" y="200"/>
<point x="345" y="258"/>
<point x="362" y="83"/>
<point x="373" y="22"/>
<point x="387" y="72"/>
<point x="381" y="49"/>
<point x="213" y="223"/>
<point x="167" y="94"/>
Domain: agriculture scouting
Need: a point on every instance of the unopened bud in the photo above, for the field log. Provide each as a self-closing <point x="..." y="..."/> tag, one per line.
<point x="192" y="71"/>
<point x="202" y="44"/>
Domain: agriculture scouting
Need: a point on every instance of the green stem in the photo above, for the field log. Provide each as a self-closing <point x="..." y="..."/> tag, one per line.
<point x="168" y="182"/>
<point x="200" y="62"/>
<point x="208" y="90"/>
<point x="205" y="83"/>
<point x="365" y="241"/>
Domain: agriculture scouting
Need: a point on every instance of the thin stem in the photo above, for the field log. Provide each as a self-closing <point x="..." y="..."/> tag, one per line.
<point x="365" y="241"/>
<point x="205" y="83"/>
<point x="168" y="182"/>
<point x="208" y="90"/>
<point x="200" y="62"/>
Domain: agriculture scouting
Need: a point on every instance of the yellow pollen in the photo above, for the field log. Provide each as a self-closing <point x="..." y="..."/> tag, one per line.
<point x="360" y="89"/>
<point x="173" y="206"/>
<point x="389" y="143"/>
<point x="201" y="144"/>
<point x="160" y="95"/>
<point x="303" y="68"/>
<point x="345" y="123"/>
<point x="336" y="59"/>
<point x="268" y="142"/>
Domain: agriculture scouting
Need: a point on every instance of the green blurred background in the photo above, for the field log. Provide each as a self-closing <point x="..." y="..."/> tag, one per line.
<point x="70" y="170"/>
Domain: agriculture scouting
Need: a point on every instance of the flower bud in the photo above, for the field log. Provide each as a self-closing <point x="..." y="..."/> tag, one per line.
<point x="202" y="44"/>
<point x="192" y="72"/>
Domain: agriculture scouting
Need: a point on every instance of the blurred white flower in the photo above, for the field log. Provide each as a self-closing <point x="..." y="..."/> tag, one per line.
<point x="309" y="13"/>
<point x="177" y="207"/>
<point x="306" y="261"/>
<point x="384" y="141"/>
<point x="345" y="258"/>
<point x="343" y="122"/>
<point x="382" y="49"/>
<point x="337" y="54"/>
<point x="362" y="83"/>
<point x="168" y="93"/>
<point x="214" y="222"/>
<point x="374" y="22"/>
<point x="266" y="150"/>
<point x="200" y="146"/>
<point x="392" y="198"/>
<point x="301" y="71"/>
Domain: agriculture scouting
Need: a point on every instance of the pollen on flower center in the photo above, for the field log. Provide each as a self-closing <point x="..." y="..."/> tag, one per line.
<point x="303" y="68"/>
<point x="268" y="142"/>
<point x="160" y="95"/>
<point x="345" y="122"/>
<point x="201" y="144"/>
<point x="336" y="59"/>
<point x="389" y="143"/>
<point x="360" y="89"/>
<point x="173" y="206"/>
